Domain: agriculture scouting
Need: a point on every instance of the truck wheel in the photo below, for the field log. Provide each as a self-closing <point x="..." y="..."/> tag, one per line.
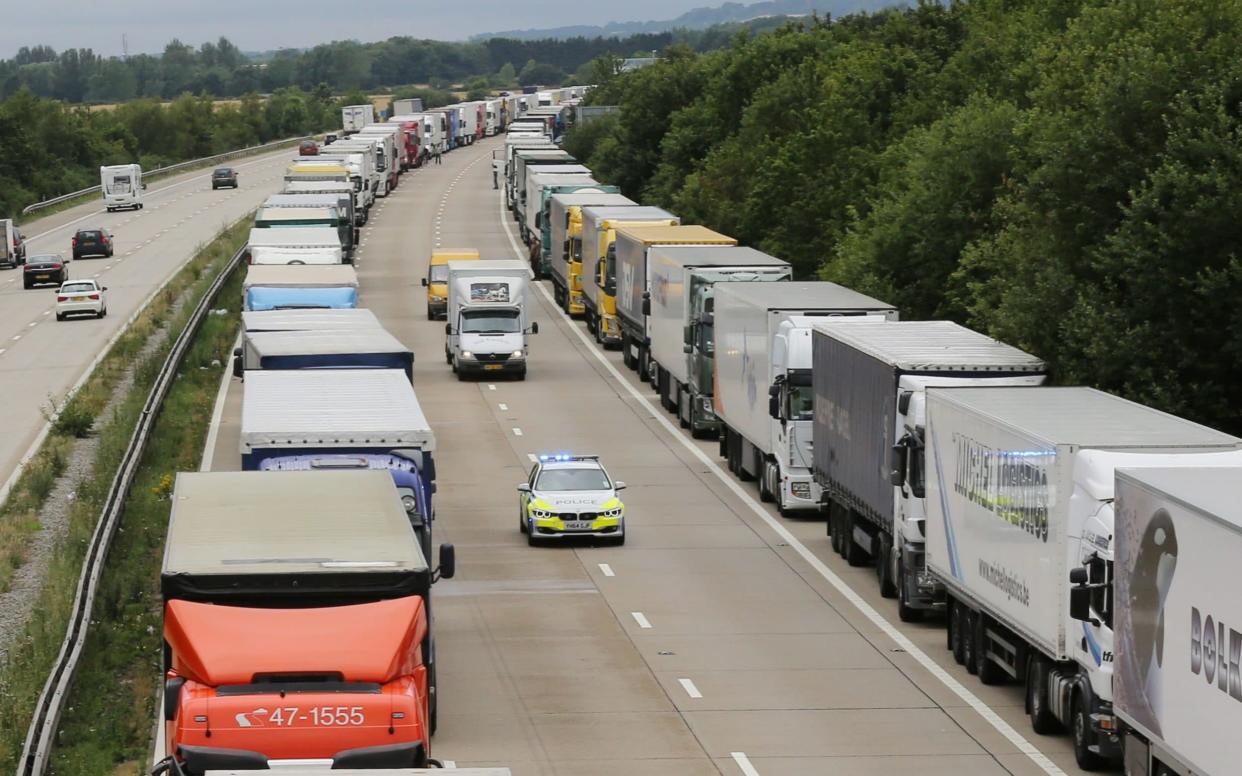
<point x="1084" y="737"/>
<point x="854" y="554"/>
<point x="644" y="365"/>
<point x="764" y="482"/>
<point x="1043" y="721"/>
<point x="970" y="647"/>
<point x="948" y="622"/>
<point x="627" y="358"/>
<point x="989" y="672"/>
<point x="723" y="442"/>
<point x="838" y="531"/>
<point x="884" y="569"/>
<point x="956" y="634"/>
<point x="448" y="358"/>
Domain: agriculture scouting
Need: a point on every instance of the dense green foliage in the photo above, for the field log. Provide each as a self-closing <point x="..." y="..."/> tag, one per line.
<point x="1061" y="174"/>
<point x="222" y="70"/>
<point x="47" y="149"/>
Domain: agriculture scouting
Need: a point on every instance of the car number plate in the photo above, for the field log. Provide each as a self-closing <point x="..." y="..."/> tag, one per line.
<point x="493" y="367"/>
<point x="578" y="525"/>
<point x="43" y="277"/>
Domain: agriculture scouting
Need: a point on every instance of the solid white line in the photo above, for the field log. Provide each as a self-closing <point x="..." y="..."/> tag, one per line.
<point x="868" y="611"/>
<point x="217" y="412"/>
<point x="690" y="689"/>
<point x="641" y="619"/>
<point x="450" y="764"/>
<point x="743" y="762"/>
<point x="517" y="431"/>
<point x="608" y="572"/>
<point x="503" y="407"/>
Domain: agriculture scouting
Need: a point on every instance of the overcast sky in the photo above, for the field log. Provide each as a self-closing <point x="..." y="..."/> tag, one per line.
<point x="267" y="24"/>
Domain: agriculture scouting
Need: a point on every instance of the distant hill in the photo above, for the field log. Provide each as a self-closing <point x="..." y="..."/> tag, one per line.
<point x="702" y="18"/>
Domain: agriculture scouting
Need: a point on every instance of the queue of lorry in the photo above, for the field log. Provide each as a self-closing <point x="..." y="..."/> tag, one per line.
<point x="1043" y="525"/>
<point x="299" y="619"/>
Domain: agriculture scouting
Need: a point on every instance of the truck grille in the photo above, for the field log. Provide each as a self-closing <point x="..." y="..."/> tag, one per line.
<point x="493" y="357"/>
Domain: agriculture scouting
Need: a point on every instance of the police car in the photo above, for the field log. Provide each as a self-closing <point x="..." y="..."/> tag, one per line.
<point x="570" y="496"/>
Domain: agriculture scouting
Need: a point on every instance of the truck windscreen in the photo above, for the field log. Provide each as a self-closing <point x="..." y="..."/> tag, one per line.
<point x="490" y="322"/>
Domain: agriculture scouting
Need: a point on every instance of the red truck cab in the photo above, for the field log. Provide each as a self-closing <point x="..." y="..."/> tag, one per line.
<point x="342" y="684"/>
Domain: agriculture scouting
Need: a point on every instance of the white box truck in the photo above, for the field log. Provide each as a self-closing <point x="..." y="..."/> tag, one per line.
<point x="530" y="199"/>
<point x="683" y="282"/>
<point x="12" y="244"/>
<point x="291" y="287"/>
<point x="361" y="348"/>
<point x="355" y="117"/>
<point x="870" y="384"/>
<point x="599" y="267"/>
<point x="1177" y="678"/>
<point x="374" y="147"/>
<point x="295" y="245"/>
<point x="122" y="186"/>
<point x="407" y="106"/>
<point x="1019" y="506"/>
<point x="521" y="157"/>
<point x="492" y="119"/>
<point x="488" y="319"/>
<point x="761" y="337"/>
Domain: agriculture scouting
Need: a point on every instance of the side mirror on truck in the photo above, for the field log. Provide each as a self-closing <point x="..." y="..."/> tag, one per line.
<point x="646" y="303"/>
<point x="448" y="328"/>
<point x="897" y="465"/>
<point x="774" y="405"/>
<point x="424" y="282"/>
<point x="448" y="562"/>
<point x="237" y="362"/>
<point x="1080" y="604"/>
<point x="534" y="327"/>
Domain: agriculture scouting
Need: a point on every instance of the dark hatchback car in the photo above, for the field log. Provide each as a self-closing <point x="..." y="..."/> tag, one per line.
<point x="92" y="242"/>
<point x="50" y="268"/>
<point x="224" y="176"/>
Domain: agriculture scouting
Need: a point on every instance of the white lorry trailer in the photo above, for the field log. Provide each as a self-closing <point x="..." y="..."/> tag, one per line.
<point x="561" y="232"/>
<point x="521" y="157"/>
<point x="355" y="117"/>
<point x="361" y="348"/>
<point x="530" y="199"/>
<point x="122" y="186"/>
<point x="683" y="280"/>
<point x="1177" y="680"/>
<point x="488" y="319"/>
<point x="870" y="384"/>
<point x="1019" y="506"/>
<point x="763" y="397"/>
<point x="310" y="319"/>
<point x="295" y="245"/>
<point x="407" y="106"/>
<point x="12" y="244"/>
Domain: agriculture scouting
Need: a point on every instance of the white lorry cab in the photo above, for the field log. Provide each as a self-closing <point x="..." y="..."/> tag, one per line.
<point x="1020" y="508"/>
<point x="488" y="317"/>
<point x="122" y="186"/>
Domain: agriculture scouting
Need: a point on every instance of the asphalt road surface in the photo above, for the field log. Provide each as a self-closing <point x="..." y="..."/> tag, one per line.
<point x="41" y="358"/>
<point x="721" y="639"/>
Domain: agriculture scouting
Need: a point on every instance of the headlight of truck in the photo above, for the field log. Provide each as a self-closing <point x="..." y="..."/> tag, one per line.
<point x="467" y="355"/>
<point x="409" y="503"/>
<point x="800" y="489"/>
<point x="517" y="354"/>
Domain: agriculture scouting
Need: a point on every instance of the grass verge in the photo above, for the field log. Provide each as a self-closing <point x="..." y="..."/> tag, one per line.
<point x="124" y="605"/>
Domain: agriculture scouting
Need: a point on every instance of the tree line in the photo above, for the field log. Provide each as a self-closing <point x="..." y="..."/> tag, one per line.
<point x="1059" y="174"/>
<point x="221" y="69"/>
<point x="48" y="148"/>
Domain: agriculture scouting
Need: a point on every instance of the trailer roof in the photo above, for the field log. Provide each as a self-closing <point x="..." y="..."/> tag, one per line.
<point x="584" y="198"/>
<point x="309" y="319"/>
<point x="300" y="274"/>
<point x="291" y="212"/>
<point x="625" y="213"/>
<point x="716" y="256"/>
<point x="932" y="346"/>
<point x="546" y="171"/>
<point x="1083" y="417"/>
<point x="297" y="201"/>
<point x="295" y="522"/>
<point x="295" y="237"/>
<point x="487" y="266"/>
<point x="674" y="235"/>
<point x="1212" y="490"/>
<point x="799" y="295"/>
<point x="307" y="408"/>
<point x="339" y="341"/>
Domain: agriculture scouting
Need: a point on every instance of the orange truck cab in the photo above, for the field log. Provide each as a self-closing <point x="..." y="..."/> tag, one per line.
<point x="297" y="623"/>
<point x="436" y="281"/>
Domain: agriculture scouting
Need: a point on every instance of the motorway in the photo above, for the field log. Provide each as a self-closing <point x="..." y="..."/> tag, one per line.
<point x="721" y="639"/>
<point x="42" y="358"/>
